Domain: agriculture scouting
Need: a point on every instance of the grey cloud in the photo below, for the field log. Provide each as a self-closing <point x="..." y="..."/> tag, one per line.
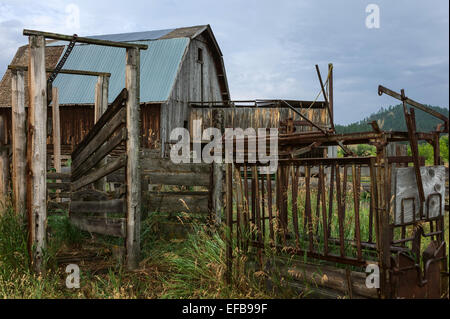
<point x="270" y="47"/>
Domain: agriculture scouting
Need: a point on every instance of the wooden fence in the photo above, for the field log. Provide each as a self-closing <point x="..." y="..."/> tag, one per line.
<point x="89" y="210"/>
<point x="192" y="181"/>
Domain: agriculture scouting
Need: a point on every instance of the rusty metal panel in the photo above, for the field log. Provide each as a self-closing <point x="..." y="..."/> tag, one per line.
<point x="406" y="196"/>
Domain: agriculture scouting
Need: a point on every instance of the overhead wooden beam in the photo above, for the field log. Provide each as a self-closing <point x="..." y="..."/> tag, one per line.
<point x="63" y="71"/>
<point x="19" y="142"/>
<point x="63" y="37"/>
<point x="133" y="173"/>
<point x="37" y="150"/>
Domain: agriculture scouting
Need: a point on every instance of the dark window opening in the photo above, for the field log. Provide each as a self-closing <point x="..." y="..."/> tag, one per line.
<point x="200" y="55"/>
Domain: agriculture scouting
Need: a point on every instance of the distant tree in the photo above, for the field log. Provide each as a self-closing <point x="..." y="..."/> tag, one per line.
<point x="443" y="145"/>
<point x="393" y="119"/>
<point x="426" y="150"/>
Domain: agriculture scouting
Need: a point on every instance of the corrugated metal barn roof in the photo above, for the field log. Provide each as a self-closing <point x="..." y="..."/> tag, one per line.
<point x="133" y="36"/>
<point x="159" y="66"/>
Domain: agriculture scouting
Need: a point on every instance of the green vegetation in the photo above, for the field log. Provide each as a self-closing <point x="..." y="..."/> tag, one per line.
<point x="392" y="119"/>
<point x="425" y="150"/>
<point x="193" y="267"/>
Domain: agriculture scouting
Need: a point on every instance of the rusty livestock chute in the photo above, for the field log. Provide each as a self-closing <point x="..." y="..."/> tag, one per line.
<point x="325" y="220"/>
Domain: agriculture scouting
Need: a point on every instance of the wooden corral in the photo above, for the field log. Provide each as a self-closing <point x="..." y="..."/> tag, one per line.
<point x="301" y="209"/>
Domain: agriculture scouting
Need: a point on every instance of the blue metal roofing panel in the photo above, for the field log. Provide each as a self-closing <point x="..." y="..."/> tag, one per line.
<point x="159" y="66"/>
<point x="133" y="36"/>
<point x="123" y="37"/>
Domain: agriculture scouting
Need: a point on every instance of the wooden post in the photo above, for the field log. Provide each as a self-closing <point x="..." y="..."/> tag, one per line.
<point x="56" y="131"/>
<point x="383" y="211"/>
<point x="229" y="223"/>
<point x="19" y="142"/>
<point x="37" y="150"/>
<point x="133" y="174"/>
<point x="330" y="90"/>
<point x="217" y="187"/>
<point x="101" y="104"/>
<point x="4" y="164"/>
<point x="56" y="135"/>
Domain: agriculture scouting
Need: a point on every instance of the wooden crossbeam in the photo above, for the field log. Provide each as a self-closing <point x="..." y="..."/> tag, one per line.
<point x="63" y="37"/>
<point x="63" y="71"/>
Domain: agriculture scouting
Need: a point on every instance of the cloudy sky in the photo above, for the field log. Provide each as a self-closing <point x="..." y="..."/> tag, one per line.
<point x="270" y="47"/>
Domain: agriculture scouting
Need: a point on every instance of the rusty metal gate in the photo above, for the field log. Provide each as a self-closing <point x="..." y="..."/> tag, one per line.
<point x="316" y="210"/>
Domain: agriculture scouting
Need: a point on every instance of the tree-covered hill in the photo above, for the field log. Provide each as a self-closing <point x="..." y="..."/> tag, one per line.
<point x="392" y="119"/>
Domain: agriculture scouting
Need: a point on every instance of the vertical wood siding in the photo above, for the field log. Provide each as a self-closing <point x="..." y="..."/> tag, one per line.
<point x="187" y="88"/>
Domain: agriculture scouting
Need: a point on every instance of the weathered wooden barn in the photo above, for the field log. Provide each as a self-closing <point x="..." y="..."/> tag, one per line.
<point x="182" y="78"/>
<point x="180" y="65"/>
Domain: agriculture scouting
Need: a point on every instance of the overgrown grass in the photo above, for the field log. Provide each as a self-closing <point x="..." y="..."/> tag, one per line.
<point x="193" y="267"/>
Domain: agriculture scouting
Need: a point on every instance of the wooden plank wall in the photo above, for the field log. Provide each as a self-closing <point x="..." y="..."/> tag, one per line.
<point x="180" y="177"/>
<point x="77" y="120"/>
<point x="245" y="117"/>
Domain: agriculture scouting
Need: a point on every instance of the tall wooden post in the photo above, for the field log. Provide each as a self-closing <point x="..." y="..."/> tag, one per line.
<point x="19" y="142"/>
<point x="133" y="175"/>
<point x="217" y="191"/>
<point x="330" y="89"/>
<point x="383" y="218"/>
<point x="56" y="138"/>
<point x="4" y="164"/>
<point x="101" y="104"/>
<point x="37" y="150"/>
<point x="56" y="131"/>
<point x="229" y="223"/>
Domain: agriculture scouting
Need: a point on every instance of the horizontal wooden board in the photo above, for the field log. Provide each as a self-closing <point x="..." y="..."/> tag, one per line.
<point x="89" y="195"/>
<point x="181" y="179"/>
<point x="61" y="186"/>
<point x="165" y="172"/>
<point x="176" y="202"/>
<point x="60" y="176"/>
<point x="51" y="205"/>
<point x="107" y="206"/>
<point x="116" y="177"/>
<point x="105" y="226"/>
<point x="167" y="166"/>
<point x="53" y="195"/>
